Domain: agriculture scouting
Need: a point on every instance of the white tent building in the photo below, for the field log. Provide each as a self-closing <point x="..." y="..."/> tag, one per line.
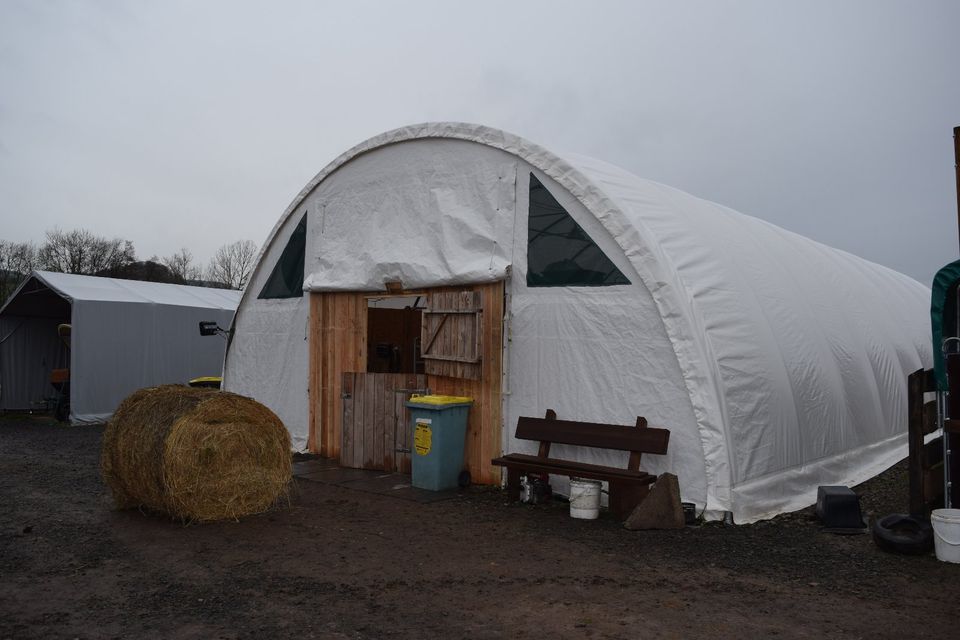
<point x="126" y="334"/>
<point x="778" y="364"/>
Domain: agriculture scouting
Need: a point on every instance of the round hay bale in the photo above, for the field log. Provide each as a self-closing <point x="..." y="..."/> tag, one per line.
<point x="196" y="454"/>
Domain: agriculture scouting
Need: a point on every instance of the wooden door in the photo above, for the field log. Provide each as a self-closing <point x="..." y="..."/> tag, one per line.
<point x="375" y="430"/>
<point x="452" y="334"/>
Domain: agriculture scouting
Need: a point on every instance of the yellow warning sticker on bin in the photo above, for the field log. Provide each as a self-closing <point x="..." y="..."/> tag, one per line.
<point x="422" y="437"/>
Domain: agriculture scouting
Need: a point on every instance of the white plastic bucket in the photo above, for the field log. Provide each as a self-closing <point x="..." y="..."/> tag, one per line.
<point x="946" y="533"/>
<point x="584" y="499"/>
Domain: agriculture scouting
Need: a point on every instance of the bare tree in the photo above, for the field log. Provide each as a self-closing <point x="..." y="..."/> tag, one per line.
<point x="232" y="263"/>
<point x="17" y="260"/>
<point x="182" y="266"/>
<point x="80" y="251"/>
<point x="19" y="257"/>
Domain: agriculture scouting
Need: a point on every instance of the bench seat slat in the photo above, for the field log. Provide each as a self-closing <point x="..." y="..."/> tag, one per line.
<point x="589" y="434"/>
<point x="569" y="467"/>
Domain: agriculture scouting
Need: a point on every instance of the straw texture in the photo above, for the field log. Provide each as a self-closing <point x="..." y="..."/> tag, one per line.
<point x="198" y="455"/>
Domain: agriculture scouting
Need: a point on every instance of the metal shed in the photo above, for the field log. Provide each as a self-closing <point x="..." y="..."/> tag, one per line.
<point x="126" y="334"/>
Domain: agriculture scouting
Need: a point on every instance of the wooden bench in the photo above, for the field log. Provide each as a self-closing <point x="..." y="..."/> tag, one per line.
<point x="627" y="486"/>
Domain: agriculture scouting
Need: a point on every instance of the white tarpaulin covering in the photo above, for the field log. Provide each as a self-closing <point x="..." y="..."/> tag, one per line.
<point x="442" y="225"/>
<point x="778" y="364"/>
<point x="126" y="335"/>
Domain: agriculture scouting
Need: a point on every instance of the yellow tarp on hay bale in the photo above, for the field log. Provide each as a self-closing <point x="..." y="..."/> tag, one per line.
<point x="196" y="454"/>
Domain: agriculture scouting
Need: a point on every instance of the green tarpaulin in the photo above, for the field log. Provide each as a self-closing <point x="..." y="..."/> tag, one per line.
<point x="943" y="316"/>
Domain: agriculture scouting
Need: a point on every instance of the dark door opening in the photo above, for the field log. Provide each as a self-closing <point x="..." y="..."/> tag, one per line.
<point x="393" y="334"/>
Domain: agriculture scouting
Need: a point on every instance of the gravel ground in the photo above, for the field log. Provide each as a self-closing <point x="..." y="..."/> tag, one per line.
<point x="338" y="563"/>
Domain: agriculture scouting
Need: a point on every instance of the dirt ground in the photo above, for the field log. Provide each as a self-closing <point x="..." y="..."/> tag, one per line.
<point x="340" y="563"/>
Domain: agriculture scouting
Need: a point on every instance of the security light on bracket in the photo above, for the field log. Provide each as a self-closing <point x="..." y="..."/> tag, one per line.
<point x="208" y="328"/>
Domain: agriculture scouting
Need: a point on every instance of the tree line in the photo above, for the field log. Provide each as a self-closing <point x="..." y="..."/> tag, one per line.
<point x="81" y="252"/>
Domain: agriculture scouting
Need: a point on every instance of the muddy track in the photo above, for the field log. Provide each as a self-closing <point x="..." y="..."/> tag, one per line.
<point x="339" y="563"/>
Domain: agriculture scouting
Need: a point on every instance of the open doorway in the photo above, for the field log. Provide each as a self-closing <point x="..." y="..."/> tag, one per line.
<point x="393" y="334"/>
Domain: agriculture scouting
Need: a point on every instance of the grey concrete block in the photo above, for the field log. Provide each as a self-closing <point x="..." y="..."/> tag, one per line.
<point x="661" y="508"/>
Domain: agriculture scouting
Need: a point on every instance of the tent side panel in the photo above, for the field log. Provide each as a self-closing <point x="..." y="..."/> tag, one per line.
<point x="268" y="355"/>
<point x="597" y="354"/>
<point x="600" y="356"/>
<point x="119" y="347"/>
<point x="268" y="361"/>
<point x="806" y="348"/>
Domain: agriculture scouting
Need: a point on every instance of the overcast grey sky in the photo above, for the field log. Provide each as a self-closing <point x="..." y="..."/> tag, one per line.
<point x="196" y="123"/>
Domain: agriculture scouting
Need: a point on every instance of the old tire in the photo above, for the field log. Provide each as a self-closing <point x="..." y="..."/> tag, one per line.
<point x="900" y="533"/>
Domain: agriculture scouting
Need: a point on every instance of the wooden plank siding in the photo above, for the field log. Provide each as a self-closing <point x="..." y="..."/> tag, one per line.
<point x="314" y="374"/>
<point x="375" y="421"/>
<point x="486" y="415"/>
<point x="338" y="336"/>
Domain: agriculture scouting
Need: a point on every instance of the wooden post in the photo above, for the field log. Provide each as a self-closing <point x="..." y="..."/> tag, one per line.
<point x="926" y="468"/>
<point x="544" y="451"/>
<point x="952" y="450"/>
<point x="314" y="383"/>
<point x="915" y="438"/>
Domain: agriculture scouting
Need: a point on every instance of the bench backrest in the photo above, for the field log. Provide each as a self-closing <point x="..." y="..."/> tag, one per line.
<point x="638" y="439"/>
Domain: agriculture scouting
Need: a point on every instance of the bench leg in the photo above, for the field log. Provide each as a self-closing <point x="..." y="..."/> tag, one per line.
<point x="625" y="496"/>
<point x="513" y="483"/>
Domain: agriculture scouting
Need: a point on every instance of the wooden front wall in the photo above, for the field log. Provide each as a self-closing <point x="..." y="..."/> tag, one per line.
<point x="338" y="345"/>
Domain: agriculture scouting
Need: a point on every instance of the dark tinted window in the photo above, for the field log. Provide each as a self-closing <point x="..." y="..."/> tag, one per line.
<point x="286" y="280"/>
<point x="559" y="252"/>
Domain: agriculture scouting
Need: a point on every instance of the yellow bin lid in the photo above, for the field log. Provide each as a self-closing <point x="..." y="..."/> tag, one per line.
<point x="440" y="400"/>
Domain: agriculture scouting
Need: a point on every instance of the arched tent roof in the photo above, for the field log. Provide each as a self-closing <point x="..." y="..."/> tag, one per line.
<point x="793" y="353"/>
